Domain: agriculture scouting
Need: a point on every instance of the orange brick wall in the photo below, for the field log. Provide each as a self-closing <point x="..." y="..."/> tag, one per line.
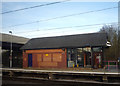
<point x="47" y="58"/>
<point x="25" y="60"/>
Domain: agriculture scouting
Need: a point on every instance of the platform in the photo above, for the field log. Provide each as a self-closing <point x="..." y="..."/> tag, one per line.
<point x="69" y="70"/>
<point x="71" y="74"/>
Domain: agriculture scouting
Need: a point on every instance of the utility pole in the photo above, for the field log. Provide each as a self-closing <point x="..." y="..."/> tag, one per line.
<point x="10" y="49"/>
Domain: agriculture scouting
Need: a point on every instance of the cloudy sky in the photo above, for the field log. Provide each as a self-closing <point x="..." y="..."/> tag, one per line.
<point x="64" y="18"/>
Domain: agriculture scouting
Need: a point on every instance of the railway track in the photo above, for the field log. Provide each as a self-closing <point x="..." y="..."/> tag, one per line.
<point x="31" y="81"/>
<point x="59" y="78"/>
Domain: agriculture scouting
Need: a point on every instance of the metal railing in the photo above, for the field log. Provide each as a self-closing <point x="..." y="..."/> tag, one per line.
<point x="111" y="65"/>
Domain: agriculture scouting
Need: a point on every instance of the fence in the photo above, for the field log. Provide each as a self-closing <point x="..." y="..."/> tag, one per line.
<point x="111" y="65"/>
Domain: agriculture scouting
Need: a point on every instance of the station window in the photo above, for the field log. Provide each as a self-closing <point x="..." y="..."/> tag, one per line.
<point x="97" y="49"/>
<point x="75" y="57"/>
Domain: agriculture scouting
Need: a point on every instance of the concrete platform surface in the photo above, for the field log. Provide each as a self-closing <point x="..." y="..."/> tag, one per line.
<point x="69" y="70"/>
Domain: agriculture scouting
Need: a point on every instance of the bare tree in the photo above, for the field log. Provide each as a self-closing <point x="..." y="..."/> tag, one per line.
<point x="112" y="53"/>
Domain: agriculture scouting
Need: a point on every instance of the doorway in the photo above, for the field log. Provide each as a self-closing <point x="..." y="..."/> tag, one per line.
<point x="87" y="59"/>
<point x="29" y="60"/>
<point x="98" y="59"/>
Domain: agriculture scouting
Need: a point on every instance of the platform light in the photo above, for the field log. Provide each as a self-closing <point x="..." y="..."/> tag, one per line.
<point x="108" y="44"/>
<point x="10" y="49"/>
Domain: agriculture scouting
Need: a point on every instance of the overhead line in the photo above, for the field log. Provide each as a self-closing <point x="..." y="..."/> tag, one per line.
<point x="71" y="30"/>
<point x="64" y="16"/>
<point x="63" y="31"/>
<point x="78" y="14"/>
<point x="25" y="23"/>
<point x="34" y="6"/>
<point x="67" y="27"/>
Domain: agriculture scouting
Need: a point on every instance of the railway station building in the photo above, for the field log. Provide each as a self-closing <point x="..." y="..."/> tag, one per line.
<point x="81" y="50"/>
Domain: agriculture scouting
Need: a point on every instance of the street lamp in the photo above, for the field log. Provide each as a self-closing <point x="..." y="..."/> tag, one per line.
<point x="10" y="49"/>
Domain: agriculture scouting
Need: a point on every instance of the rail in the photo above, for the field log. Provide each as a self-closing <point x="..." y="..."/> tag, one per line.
<point x="62" y="74"/>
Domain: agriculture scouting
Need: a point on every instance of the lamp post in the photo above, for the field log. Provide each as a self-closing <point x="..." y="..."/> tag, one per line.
<point x="10" y="49"/>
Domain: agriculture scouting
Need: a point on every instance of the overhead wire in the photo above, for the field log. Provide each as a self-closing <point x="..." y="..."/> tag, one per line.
<point x="71" y="30"/>
<point x="34" y="7"/>
<point x="66" y="27"/>
<point x="63" y="31"/>
<point x="75" y="14"/>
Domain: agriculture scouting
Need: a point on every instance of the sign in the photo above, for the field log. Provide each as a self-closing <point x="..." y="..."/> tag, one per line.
<point x="46" y="54"/>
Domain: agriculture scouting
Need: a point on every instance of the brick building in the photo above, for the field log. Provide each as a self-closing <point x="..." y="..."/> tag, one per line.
<point x="81" y="50"/>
